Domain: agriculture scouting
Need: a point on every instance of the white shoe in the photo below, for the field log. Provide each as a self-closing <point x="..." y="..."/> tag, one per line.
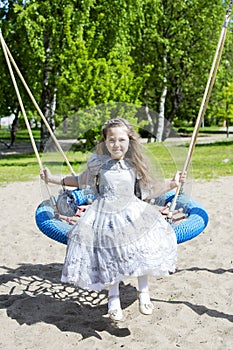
<point x="145" y="308"/>
<point x="115" y="313"/>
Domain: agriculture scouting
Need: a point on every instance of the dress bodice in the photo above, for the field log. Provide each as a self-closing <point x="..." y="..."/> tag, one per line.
<point x="118" y="177"/>
<point x="116" y="180"/>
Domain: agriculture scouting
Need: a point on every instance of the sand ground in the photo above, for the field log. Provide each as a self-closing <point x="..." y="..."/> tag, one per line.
<point x="193" y="307"/>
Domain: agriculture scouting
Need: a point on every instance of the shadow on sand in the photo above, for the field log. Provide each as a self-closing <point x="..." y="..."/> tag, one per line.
<point x="34" y="294"/>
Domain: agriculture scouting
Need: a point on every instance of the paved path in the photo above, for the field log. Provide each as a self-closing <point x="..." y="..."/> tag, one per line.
<point x="24" y="148"/>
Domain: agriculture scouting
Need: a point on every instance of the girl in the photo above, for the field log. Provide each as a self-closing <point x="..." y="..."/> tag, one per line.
<point x="120" y="235"/>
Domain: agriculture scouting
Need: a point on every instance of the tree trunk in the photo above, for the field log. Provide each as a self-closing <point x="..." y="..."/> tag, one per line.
<point x="176" y="101"/>
<point x="151" y="124"/>
<point x="48" y="109"/>
<point x="48" y="97"/>
<point x="161" y="116"/>
<point x="14" y="127"/>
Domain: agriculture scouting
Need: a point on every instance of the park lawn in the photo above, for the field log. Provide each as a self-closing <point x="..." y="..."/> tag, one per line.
<point x="25" y="167"/>
<point x="18" y="168"/>
<point x="208" y="162"/>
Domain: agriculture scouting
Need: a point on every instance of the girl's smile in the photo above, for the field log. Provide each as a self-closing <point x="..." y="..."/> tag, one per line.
<point x="117" y="142"/>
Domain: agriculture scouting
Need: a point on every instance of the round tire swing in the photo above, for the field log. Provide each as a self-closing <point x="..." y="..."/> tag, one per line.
<point x="195" y="218"/>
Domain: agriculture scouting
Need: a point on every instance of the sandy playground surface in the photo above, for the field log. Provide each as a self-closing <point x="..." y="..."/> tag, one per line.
<point x="193" y="307"/>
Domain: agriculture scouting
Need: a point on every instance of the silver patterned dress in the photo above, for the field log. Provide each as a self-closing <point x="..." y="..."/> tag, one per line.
<point x="120" y="235"/>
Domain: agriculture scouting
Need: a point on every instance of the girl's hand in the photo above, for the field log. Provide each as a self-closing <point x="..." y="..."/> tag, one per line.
<point x="178" y="178"/>
<point x="45" y="175"/>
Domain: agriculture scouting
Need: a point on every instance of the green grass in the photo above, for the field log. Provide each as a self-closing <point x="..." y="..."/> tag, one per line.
<point x="208" y="161"/>
<point x="18" y="168"/>
<point x="21" y="135"/>
<point x="24" y="167"/>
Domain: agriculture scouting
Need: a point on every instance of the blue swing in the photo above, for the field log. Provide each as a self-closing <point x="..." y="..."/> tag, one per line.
<point x="195" y="222"/>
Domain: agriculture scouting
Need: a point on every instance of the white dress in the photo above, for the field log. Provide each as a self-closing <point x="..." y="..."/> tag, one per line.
<point x="120" y="235"/>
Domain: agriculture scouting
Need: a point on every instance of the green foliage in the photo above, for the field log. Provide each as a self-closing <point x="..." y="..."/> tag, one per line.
<point x="87" y="123"/>
<point x="223" y="111"/>
<point x="79" y="55"/>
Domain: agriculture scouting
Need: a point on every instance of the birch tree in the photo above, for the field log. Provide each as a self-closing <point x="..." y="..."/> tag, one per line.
<point x="191" y="31"/>
<point x="185" y="35"/>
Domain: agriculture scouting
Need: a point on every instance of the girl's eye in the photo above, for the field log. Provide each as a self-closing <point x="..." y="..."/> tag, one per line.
<point x="119" y="140"/>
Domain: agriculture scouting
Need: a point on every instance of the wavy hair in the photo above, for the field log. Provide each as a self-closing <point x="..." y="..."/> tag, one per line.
<point x="135" y="152"/>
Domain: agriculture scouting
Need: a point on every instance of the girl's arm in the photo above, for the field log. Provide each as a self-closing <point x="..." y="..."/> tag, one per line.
<point x="168" y="186"/>
<point x="69" y="180"/>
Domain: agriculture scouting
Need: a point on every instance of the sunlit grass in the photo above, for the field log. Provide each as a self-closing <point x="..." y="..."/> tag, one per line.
<point x="208" y="161"/>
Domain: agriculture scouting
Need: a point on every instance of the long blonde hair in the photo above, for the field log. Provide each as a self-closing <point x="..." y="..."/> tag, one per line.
<point x="135" y="152"/>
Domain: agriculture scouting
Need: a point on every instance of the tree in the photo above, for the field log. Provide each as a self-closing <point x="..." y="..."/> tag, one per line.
<point x="80" y="54"/>
<point x="177" y="38"/>
<point x="72" y="60"/>
<point x="43" y="24"/>
<point x="219" y="109"/>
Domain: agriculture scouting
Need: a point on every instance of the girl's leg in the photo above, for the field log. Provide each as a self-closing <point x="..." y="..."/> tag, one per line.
<point x="114" y="305"/>
<point x="145" y="305"/>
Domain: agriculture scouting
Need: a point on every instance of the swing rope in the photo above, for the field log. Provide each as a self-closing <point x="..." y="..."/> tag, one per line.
<point x="204" y="104"/>
<point x="7" y="56"/>
<point x="25" y="116"/>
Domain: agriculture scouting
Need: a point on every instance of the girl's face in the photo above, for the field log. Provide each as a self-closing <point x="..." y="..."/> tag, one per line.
<point x="117" y="142"/>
